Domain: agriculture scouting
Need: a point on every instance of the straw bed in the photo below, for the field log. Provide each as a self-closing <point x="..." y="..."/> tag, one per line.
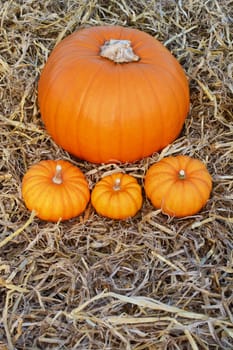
<point x="147" y="283"/>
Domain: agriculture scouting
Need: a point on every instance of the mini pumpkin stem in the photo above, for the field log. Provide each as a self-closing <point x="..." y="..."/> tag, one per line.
<point x="57" y="179"/>
<point x="117" y="184"/>
<point x="119" y="51"/>
<point x="182" y="174"/>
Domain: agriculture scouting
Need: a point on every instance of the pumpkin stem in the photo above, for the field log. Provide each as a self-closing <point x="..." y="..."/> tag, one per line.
<point x="119" y="51"/>
<point x="182" y="174"/>
<point x="57" y="179"/>
<point x="117" y="185"/>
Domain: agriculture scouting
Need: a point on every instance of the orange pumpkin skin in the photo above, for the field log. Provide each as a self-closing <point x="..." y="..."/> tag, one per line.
<point x="55" y="201"/>
<point x="179" y="185"/>
<point x="117" y="196"/>
<point x="93" y="107"/>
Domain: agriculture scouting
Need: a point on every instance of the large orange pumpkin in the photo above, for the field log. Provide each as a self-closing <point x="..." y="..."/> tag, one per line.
<point x="55" y="189"/>
<point x="111" y="93"/>
<point x="179" y="185"/>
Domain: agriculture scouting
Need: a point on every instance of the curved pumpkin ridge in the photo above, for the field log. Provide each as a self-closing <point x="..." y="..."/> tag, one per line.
<point x="30" y="196"/>
<point x="128" y="182"/>
<point x="119" y="118"/>
<point x="195" y="169"/>
<point x="175" y="163"/>
<point x="102" y="141"/>
<point x="140" y="112"/>
<point x="183" y="162"/>
<point x="80" y="117"/>
<point x="202" y="173"/>
<point x="36" y="175"/>
<point x="46" y="197"/>
<point x="177" y="104"/>
<point x="42" y="177"/>
<point x="194" y="203"/>
<point x="85" y="41"/>
<point x="100" y="205"/>
<point x="30" y="188"/>
<point x="111" y="146"/>
<point x="158" y="193"/>
<point x="55" y="206"/>
<point x="166" y="201"/>
<point x="208" y="184"/>
<point x="161" y="169"/>
<point x="54" y="119"/>
<point x="139" y="121"/>
<point x="57" y="56"/>
<point x="52" y="208"/>
<point x="188" y="204"/>
<point x="205" y="194"/>
<point x="78" y="189"/>
<point x="66" y="195"/>
<point x="181" y="112"/>
<point x="160" y="127"/>
<point x="129" y="114"/>
<point x="136" y="204"/>
<point x="62" y="206"/>
<point x="180" y="78"/>
<point x="72" y="175"/>
<point x="160" y="178"/>
<point x="161" y="123"/>
<point x="99" y="191"/>
<point x="44" y="93"/>
<point x="132" y="186"/>
<point x="114" y="206"/>
<point x="117" y="141"/>
<point x="69" y="202"/>
<point x="183" y="85"/>
<point x="129" y="207"/>
<point x="41" y="170"/>
<point x="179" y="198"/>
<point x="171" y="69"/>
<point x="166" y="192"/>
<point x="162" y="120"/>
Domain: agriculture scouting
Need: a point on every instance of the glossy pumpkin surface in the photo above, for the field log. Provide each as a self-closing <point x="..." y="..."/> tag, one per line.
<point x="117" y="196"/>
<point x="179" y="185"/>
<point x="56" y="190"/>
<point x="103" y="111"/>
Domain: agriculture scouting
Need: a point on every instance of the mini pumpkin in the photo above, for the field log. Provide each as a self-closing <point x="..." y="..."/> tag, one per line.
<point x="111" y="93"/>
<point x="117" y="196"/>
<point x="55" y="189"/>
<point x="179" y="185"/>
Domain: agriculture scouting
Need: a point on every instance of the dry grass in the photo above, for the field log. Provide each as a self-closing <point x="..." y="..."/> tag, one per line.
<point x="147" y="283"/>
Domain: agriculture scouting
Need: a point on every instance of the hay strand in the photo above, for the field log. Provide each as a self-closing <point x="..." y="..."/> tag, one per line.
<point x="150" y="282"/>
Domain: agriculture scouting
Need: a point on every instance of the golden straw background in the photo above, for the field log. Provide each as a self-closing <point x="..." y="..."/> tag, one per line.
<point x="147" y="283"/>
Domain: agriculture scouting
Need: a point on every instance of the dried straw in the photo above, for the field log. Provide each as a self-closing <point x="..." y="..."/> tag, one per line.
<point x="147" y="283"/>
